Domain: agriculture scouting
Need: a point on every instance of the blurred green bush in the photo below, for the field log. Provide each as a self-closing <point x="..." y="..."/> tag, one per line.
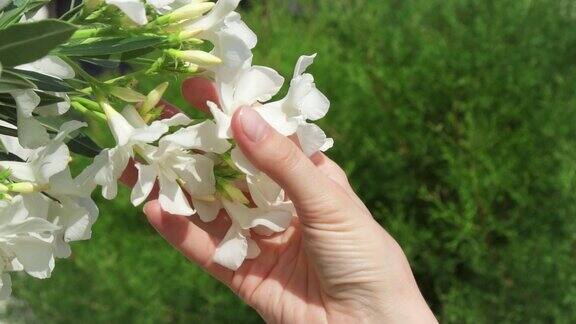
<point x="456" y="122"/>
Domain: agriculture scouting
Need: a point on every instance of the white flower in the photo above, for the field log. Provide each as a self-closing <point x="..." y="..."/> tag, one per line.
<point x="131" y="134"/>
<point x="231" y="37"/>
<point x="64" y="201"/>
<point x="174" y="168"/>
<point x="136" y="9"/>
<point x="177" y="169"/>
<point x="237" y="244"/>
<point x="31" y="133"/>
<point x="54" y="67"/>
<point x="223" y="18"/>
<point x="265" y="193"/>
<point x="26" y="242"/>
<point x="302" y="103"/>
<point x="50" y="65"/>
<point x="251" y="85"/>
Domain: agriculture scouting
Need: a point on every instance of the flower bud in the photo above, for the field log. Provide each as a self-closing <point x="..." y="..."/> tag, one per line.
<point x="234" y="194"/>
<point x="192" y="68"/>
<point x="127" y="94"/>
<point x="187" y="34"/>
<point x="153" y="98"/>
<point x="119" y="126"/>
<point x="23" y="187"/>
<point x="195" y="56"/>
<point x="190" y="11"/>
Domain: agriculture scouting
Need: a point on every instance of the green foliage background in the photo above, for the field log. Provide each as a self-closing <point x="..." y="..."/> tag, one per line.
<point x="456" y="122"/>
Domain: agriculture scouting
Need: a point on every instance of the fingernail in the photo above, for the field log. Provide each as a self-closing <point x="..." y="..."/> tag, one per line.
<point x="254" y="126"/>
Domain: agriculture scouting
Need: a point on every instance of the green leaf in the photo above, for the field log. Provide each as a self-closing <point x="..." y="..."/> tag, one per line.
<point x="48" y="99"/>
<point x="116" y="45"/>
<point x="8" y="131"/>
<point x="44" y="82"/>
<point x="13" y="16"/>
<point x="24" y="43"/>
<point x="107" y="64"/>
<point x="10" y="81"/>
<point x="45" y="99"/>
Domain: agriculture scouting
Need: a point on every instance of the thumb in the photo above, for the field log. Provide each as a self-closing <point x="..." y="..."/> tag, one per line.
<point x="314" y="195"/>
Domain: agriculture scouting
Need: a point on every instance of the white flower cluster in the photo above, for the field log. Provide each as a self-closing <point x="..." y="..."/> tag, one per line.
<point x="183" y="162"/>
<point x="196" y="166"/>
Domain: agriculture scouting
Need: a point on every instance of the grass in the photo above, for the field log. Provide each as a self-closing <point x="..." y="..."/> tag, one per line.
<point x="455" y="120"/>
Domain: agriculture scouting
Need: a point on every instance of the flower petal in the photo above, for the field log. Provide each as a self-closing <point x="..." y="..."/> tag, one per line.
<point x="313" y="139"/>
<point x="275" y="115"/>
<point x="314" y="105"/>
<point x="51" y="160"/>
<point x="268" y="194"/>
<point x="35" y="255"/>
<point x="11" y="144"/>
<point x="198" y="176"/>
<point x="26" y="101"/>
<point x="257" y="84"/>
<point x="220" y="11"/>
<point x="241" y="162"/>
<point x="253" y="249"/>
<point x="203" y="136"/>
<point x="303" y="63"/>
<point x="144" y="185"/>
<point x="222" y="120"/>
<point x="56" y="109"/>
<point x="177" y="120"/>
<point x="19" y="170"/>
<point x="172" y="198"/>
<point x="235" y="26"/>
<point x="233" y="249"/>
<point x="207" y="210"/>
<point x="50" y="65"/>
<point x="134" y="9"/>
<point x="121" y="129"/>
<point x="276" y="220"/>
<point x="133" y="117"/>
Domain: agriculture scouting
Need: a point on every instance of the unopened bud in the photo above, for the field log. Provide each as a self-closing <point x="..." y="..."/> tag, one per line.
<point x="235" y="194"/>
<point x="187" y="34"/>
<point x="190" y="11"/>
<point x="196" y="57"/>
<point x="153" y="98"/>
<point x="23" y="187"/>
<point x="192" y="68"/>
<point x="127" y="94"/>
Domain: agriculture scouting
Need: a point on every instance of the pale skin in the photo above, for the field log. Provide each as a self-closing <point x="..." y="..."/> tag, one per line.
<point x="334" y="264"/>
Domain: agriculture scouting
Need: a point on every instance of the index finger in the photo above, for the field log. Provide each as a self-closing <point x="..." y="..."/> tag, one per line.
<point x="198" y="90"/>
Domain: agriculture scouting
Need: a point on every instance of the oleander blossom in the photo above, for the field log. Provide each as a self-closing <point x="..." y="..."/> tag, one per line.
<point x="53" y="109"/>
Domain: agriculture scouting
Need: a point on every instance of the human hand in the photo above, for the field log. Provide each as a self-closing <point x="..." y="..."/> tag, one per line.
<point x="333" y="264"/>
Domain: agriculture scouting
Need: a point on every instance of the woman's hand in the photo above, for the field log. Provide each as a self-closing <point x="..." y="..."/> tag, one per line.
<point x="333" y="264"/>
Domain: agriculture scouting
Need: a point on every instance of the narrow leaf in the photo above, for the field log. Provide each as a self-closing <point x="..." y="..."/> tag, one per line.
<point x="116" y="45"/>
<point x="44" y="82"/>
<point x="24" y="43"/>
